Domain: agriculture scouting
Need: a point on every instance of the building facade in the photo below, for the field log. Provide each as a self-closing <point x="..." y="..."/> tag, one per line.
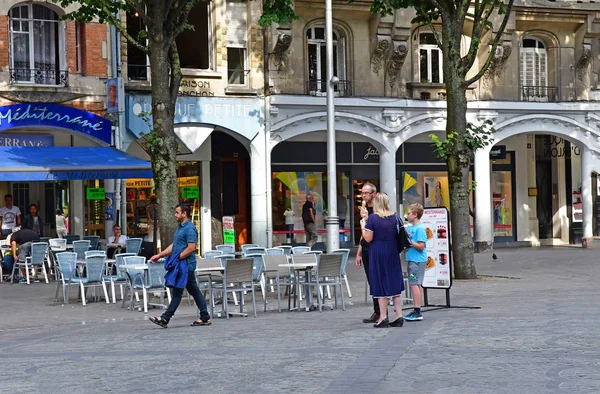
<point x="540" y="93"/>
<point x="55" y="140"/>
<point x="219" y="120"/>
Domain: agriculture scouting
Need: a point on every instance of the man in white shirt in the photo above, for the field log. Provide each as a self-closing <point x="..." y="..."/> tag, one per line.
<point x="10" y="216"/>
<point x="116" y="241"/>
<point x="289" y="223"/>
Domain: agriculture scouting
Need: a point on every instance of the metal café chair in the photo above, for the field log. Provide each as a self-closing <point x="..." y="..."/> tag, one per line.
<point x="282" y="276"/>
<point x="212" y="254"/>
<point x="80" y="247"/>
<point x="226" y="248"/>
<point x="94" y="277"/>
<point x="71" y="238"/>
<point x="94" y="241"/>
<point x="115" y="275"/>
<point x="66" y="269"/>
<point x="275" y="251"/>
<point x="329" y="272"/>
<point x="133" y="245"/>
<point x="246" y="246"/>
<point x="345" y="254"/>
<point x="237" y="275"/>
<point x="36" y="260"/>
<point x="300" y="249"/>
<point x="254" y="250"/>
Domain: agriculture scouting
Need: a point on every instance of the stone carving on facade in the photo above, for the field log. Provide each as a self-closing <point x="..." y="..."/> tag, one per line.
<point x="498" y="62"/>
<point x="380" y="53"/>
<point x="280" y="51"/>
<point x="584" y="62"/>
<point x="394" y="65"/>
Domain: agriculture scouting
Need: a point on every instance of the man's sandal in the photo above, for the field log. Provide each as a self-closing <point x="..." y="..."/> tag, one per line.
<point x="159" y="321"/>
<point x="201" y="322"/>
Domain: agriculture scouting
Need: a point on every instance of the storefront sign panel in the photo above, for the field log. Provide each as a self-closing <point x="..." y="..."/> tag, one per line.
<point x="241" y="115"/>
<point x="190" y="192"/>
<point x="188" y="181"/>
<point x="51" y="115"/>
<point x="94" y="193"/>
<point x="365" y="153"/>
<point x="109" y="208"/>
<point x="438" y="267"/>
<point x="139" y="183"/>
<point x="26" y="140"/>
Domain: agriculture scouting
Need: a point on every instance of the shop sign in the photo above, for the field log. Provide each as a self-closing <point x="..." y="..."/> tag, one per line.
<point x="26" y="140"/>
<point x="139" y="183"/>
<point x="115" y="102"/>
<point x="228" y="230"/>
<point x="498" y="152"/>
<point x="190" y="192"/>
<point x="187" y="181"/>
<point x="51" y="115"/>
<point x="438" y="267"/>
<point x="243" y="115"/>
<point x="94" y="193"/>
<point x="364" y="153"/>
<point x="109" y="207"/>
<point x="193" y="87"/>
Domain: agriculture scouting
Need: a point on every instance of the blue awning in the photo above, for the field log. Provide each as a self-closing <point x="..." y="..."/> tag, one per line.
<point x="59" y="163"/>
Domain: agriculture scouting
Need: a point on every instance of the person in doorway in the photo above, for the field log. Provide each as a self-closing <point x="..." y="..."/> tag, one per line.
<point x="20" y="242"/>
<point x="416" y="258"/>
<point x="116" y="241"/>
<point x="308" y="217"/>
<point x="10" y="216"/>
<point x="368" y="192"/>
<point x="379" y="230"/>
<point x="61" y="224"/>
<point x="184" y="246"/>
<point x="33" y="221"/>
<point x="289" y="223"/>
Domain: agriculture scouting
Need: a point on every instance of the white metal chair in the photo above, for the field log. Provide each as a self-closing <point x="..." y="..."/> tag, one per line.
<point x="237" y="277"/>
<point x="345" y="254"/>
<point x="282" y="276"/>
<point x="80" y="247"/>
<point x="246" y="246"/>
<point x="329" y="272"/>
<point x="300" y="249"/>
<point x="94" y="277"/>
<point x="211" y="254"/>
<point x="36" y="260"/>
<point x="133" y="245"/>
<point x="226" y="248"/>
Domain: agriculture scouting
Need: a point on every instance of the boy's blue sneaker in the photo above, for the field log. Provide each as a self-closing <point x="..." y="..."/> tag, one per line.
<point x="413" y="316"/>
<point x="22" y="280"/>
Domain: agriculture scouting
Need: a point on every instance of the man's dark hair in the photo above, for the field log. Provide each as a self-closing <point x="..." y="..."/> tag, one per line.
<point x="8" y="196"/>
<point x="184" y="208"/>
<point x="33" y="205"/>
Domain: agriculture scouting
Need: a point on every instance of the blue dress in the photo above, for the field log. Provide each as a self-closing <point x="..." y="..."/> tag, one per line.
<point x="385" y="269"/>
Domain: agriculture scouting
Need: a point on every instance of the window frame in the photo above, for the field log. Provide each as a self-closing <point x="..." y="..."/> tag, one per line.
<point x="429" y="48"/>
<point x="60" y="37"/>
<point x="537" y="52"/>
<point x="339" y="58"/>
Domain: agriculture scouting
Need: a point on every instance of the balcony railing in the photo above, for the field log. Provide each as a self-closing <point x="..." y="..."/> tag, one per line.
<point x="138" y="72"/>
<point x="38" y="76"/>
<point x="318" y="87"/>
<point x="540" y="93"/>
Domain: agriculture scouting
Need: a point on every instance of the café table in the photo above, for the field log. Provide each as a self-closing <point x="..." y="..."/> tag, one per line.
<point x="307" y="268"/>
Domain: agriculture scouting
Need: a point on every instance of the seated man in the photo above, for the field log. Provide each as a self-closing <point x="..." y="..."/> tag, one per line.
<point x="116" y="241"/>
<point x="22" y="239"/>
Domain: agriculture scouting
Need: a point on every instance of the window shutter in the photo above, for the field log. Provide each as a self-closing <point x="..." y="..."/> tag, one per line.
<point x="527" y="62"/>
<point x="236" y="24"/>
<point x="543" y="68"/>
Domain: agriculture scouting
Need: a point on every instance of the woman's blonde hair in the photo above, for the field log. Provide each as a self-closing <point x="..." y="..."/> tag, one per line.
<point x="381" y="205"/>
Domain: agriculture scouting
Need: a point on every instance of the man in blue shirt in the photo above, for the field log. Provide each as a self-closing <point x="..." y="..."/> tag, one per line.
<point x="184" y="245"/>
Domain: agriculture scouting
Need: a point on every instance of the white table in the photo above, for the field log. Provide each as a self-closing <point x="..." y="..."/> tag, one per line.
<point x="303" y="267"/>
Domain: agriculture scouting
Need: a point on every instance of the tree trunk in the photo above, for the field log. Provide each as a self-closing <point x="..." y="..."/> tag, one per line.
<point x="163" y="142"/>
<point x="459" y="155"/>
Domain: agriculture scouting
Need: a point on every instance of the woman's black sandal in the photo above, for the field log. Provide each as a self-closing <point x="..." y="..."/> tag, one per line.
<point x="385" y="323"/>
<point x="159" y="321"/>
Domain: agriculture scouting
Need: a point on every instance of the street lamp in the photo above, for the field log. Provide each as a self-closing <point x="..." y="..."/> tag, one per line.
<point x="332" y="222"/>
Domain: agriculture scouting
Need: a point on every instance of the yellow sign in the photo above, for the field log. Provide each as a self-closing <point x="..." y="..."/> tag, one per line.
<point x="188" y="181"/>
<point x="139" y="183"/>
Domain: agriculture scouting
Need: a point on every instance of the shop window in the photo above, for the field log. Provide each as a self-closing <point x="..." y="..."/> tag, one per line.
<point x="20" y="192"/>
<point x="194" y="45"/>
<point x="317" y="62"/>
<point x="36" y="43"/>
<point x="94" y="210"/>
<point x="430" y="59"/>
<point x="289" y="191"/>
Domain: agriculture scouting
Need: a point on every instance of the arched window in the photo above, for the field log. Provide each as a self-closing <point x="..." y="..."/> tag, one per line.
<point x="34" y="49"/>
<point x="534" y="63"/>
<point x="430" y="59"/>
<point x="317" y="61"/>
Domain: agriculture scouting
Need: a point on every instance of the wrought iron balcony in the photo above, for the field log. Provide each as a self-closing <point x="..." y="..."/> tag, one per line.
<point x="539" y="93"/>
<point x="138" y="72"/>
<point x="39" y="76"/>
<point x="318" y="87"/>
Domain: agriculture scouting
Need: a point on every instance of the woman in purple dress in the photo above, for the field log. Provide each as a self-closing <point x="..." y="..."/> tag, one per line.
<point x="385" y="269"/>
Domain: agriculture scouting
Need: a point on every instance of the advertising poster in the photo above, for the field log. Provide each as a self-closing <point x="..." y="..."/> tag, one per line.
<point x="229" y="230"/>
<point x="438" y="272"/>
<point x="109" y="207"/>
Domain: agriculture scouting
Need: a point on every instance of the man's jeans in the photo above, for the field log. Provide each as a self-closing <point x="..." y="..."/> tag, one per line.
<point x="194" y="291"/>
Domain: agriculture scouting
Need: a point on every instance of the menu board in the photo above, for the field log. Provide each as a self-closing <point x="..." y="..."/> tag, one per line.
<point x="438" y="272"/>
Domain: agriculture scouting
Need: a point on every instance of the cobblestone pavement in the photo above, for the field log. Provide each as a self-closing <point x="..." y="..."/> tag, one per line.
<point x="536" y="332"/>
